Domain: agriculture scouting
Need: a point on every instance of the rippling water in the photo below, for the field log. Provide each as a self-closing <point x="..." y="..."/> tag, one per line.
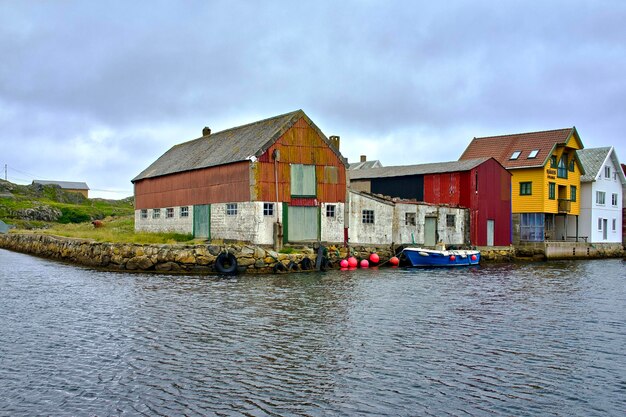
<point x="528" y="339"/>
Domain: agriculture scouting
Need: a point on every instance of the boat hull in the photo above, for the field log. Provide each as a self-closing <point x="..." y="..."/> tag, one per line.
<point x="447" y="258"/>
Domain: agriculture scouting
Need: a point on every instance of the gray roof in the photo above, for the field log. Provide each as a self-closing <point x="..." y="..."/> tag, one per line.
<point x="365" y="164"/>
<point x="592" y="159"/>
<point x="246" y="142"/>
<point x="405" y="170"/>
<point x="66" y="185"/>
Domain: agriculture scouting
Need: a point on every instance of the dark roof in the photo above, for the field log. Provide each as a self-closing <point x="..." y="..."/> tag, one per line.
<point x="66" y="185"/>
<point x="592" y="160"/>
<point x="404" y="170"/>
<point x="502" y="147"/>
<point x="246" y="142"/>
<point x="365" y="164"/>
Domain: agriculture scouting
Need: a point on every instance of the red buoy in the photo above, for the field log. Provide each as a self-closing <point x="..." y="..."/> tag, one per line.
<point x="343" y="263"/>
<point x="394" y="261"/>
<point x="374" y="258"/>
<point x="352" y="262"/>
<point x="452" y="258"/>
<point x="365" y="263"/>
<point x="473" y="257"/>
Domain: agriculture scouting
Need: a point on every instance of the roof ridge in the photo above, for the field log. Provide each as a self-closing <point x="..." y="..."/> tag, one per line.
<point x="525" y="133"/>
<point x="258" y="121"/>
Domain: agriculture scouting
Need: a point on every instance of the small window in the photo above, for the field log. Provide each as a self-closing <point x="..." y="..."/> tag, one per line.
<point x="600" y="223"/>
<point x="572" y="193"/>
<point x="600" y="197"/>
<point x="525" y="188"/>
<point x="184" y="211"/>
<point x="515" y="154"/>
<point x="572" y="166"/>
<point x="156" y="213"/>
<point x="551" y="190"/>
<point x="409" y="219"/>
<point x="450" y="220"/>
<point x="169" y="213"/>
<point x="368" y="216"/>
<point x="553" y="161"/>
<point x="615" y="176"/>
<point x="231" y="209"/>
<point x="562" y="168"/>
<point x="330" y="210"/>
<point x="144" y="214"/>
<point x="268" y="209"/>
<point x="533" y="153"/>
<point x="614" y="200"/>
<point x="614" y="225"/>
<point x="607" y="172"/>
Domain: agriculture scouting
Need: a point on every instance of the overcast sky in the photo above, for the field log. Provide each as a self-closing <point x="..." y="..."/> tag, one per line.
<point x="95" y="91"/>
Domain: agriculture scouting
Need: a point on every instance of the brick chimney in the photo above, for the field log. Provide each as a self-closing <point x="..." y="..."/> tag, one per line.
<point x="363" y="158"/>
<point x="206" y="131"/>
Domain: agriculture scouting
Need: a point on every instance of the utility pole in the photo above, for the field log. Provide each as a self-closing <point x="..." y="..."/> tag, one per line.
<point x="5" y="172"/>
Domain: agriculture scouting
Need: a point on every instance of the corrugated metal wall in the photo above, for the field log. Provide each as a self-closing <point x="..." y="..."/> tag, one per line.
<point x="300" y="145"/>
<point x="221" y="184"/>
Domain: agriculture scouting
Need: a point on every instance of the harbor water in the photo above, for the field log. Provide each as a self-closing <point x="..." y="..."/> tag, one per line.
<point x="540" y="339"/>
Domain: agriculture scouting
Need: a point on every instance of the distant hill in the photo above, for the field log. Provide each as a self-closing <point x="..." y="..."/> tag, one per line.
<point x="35" y="206"/>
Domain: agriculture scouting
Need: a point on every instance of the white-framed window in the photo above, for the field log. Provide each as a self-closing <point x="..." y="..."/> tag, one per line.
<point x="268" y="209"/>
<point x="450" y="220"/>
<point x="144" y="213"/>
<point x="156" y="213"/>
<point x="330" y="210"/>
<point x="533" y="153"/>
<point x="409" y="219"/>
<point x="600" y="197"/>
<point x="607" y="172"/>
<point x="231" y="209"/>
<point x="515" y="154"/>
<point x="614" y="200"/>
<point x="614" y="225"/>
<point x="368" y="216"/>
<point x="169" y="213"/>
<point x="600" y="223"/>
<point x="184" y="211"/>
<point x="615" y="176"/>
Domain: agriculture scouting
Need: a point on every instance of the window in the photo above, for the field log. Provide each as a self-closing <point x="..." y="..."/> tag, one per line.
<point x="533" y="153"/>
<point x="572" y="193"/>
<point x="525" y="188"/>
<point x="553" y="161"/>
<point x="156" y="213"/>
<point x="450" y="220"/>
<point x="184" y="211"/>
<point x="515" y="155"/>
<point x="231" y="209"/>
<point x="303" y="180"/>
<point x="551" y="190"/>
<point x="330" y="210"/>
<point x="169" y="213"/>
<point x="532" y="227"/>
<point x="144" y="214"/>
<point x="614" y="200"/>
<point x="614" y="224"/>
<point x="600" y="223"/>
<point x="572" y="165"/>
<point x="614" y="175"/>
<point x="268" y="209"/>
<point x="562" y="168"/>
<point x="607" y="172"/>
<point x="600" y="196"/>
<point x="409" y="219"/>
<point x="368" y="216"/>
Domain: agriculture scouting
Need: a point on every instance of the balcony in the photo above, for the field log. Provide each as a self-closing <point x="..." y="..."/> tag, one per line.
<point x="565" y="205"/>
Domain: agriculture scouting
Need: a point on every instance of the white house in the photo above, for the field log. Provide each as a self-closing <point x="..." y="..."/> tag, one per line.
<point x="601" y="196"/>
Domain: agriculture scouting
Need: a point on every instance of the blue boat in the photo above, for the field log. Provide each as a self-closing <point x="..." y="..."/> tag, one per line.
<point x="433" y="257"/>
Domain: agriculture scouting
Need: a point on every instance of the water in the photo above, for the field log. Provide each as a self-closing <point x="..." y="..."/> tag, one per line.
<point x="543" y="339"/>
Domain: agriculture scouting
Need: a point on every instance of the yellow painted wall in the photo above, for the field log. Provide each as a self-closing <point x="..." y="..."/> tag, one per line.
<point x="539" y="201"/>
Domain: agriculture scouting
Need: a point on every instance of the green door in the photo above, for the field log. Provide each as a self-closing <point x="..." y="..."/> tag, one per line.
<point x="201" y="220"/>
<point x="430" y="231"/>
<point x="303" y="224"/>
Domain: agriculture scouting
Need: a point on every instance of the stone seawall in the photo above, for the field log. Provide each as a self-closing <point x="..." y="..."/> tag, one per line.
<point x="173" y="258"/>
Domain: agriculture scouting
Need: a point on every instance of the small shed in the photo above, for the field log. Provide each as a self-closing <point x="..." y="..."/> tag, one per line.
<point x="69" y="186"/>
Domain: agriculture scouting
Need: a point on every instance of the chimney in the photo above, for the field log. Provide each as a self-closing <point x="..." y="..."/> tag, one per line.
<point x="206" y="131"/>
<point x="363" y="158"/>
<point x="334" y="140"/>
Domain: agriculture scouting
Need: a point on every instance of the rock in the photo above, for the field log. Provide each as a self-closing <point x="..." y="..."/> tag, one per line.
<point x="41" y="213"/>
<point x="139" y="262"/>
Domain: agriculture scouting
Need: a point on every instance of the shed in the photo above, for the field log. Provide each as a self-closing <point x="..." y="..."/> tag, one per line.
<point x="69" y="186"/>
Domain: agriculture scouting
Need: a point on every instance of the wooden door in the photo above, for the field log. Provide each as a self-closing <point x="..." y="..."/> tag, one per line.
<point x="201" y="221"/>
<point x="491" y="228"/>
<point x="430" y="231"/>
<point x="302" y="224"/>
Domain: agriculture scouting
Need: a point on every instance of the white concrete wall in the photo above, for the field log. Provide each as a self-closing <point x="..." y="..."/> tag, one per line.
<point x="408" y="234"/>
<point x="590" y="211"/>
<point x="381" y="231"/>
<point x="175" y="224"/>
<point x="332" y="227"/>
<point x="249" y="224"/>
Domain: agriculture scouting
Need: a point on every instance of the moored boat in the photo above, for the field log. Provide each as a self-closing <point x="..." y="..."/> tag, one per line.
<point x="435" y="257"/>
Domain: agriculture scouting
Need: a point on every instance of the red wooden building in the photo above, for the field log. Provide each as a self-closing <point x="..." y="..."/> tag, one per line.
<point x="481" y="185"/>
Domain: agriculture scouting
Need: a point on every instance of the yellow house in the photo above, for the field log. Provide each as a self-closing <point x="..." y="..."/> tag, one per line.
<point x="545" y="182"/>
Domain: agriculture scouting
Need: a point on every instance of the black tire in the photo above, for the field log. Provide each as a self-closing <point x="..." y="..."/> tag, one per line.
<point x="305" y="264"/>
<point x="279" y="267"/>
<point x="226" y="263"/>
<point x="292" y="266"/>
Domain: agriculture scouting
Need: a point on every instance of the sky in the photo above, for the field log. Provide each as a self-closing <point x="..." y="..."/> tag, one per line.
<point x="96" y="91"/>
